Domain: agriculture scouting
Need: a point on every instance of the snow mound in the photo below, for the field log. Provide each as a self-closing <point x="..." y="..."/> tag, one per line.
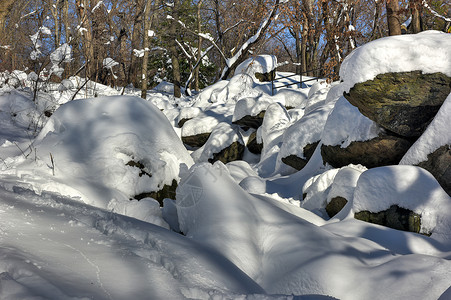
<point x="408" y="187"/>
<point x="250" y="106"/>
<point x="427" y="51"/>
<point x="199" y="125"/>
<point x="107" y="148"/>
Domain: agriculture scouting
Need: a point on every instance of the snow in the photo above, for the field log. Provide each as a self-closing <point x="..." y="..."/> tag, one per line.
<point x="428" y="51"/>
<point x="70" y="228"/>
<point x="346" y="124"/>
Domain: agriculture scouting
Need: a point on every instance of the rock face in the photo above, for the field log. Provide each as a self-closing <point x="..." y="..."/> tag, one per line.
<point x="404" y="102"/>
<point x="381" y="151"/>
<point x="197" y="140"/>
<point x="439" y="165"/>
<point x="335" y="205"/>
<point x="297" y="162"/>
<point x="233" y="152"/>
<point x="395" y="217"/>
<point x="251" y="121"/>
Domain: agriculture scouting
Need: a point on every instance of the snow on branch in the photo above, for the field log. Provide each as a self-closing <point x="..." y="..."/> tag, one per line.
<point x="184" y="50"/>
<point x="234" y="60"/>
<point x="425" y="4"/>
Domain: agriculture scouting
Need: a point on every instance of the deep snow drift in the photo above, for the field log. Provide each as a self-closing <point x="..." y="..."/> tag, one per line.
<point x="242" y="230"/>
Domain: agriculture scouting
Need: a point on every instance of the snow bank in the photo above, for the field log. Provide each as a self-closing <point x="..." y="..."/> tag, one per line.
<point x="108" y="147"/>
<point x="285" y="254"/>
<point x="409" y="187"/>
<point x="437" y="134"/>
<point x="427" y="51"/>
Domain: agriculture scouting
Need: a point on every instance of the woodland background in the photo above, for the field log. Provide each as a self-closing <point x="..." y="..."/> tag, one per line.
<point x="141" y="42"/>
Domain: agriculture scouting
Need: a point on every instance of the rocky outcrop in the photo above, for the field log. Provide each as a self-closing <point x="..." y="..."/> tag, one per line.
<point x="381" y="151"/>
<point x="335" y="206"/>
<point x="251" y="121"/>
<point x="395" y="217"/>
<point x="404" y="103"/>
<point x="253" y="145"/>
<point x="297" y="162"/>
<point x="439" y="165"/>
<point x="197" y="140"/>
<point x="231" y="153"/>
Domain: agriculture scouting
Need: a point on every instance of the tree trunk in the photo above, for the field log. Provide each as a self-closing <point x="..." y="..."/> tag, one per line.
<point x="173" y="50"/>
<point x="199" y="46"/>
<point x="393" y="22"/>
<point x="5" y="8"/>
<point x="415" y="7"/>
<point x="147" y="25"/>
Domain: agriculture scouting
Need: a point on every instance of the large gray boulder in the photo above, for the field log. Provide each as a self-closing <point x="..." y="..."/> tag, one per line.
<point x="403" y="102"/>
<point x="383" y="150"/>
<point x="439" y="165"/>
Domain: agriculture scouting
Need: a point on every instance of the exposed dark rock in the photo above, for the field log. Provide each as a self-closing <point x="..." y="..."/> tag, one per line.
<point x="404" y="102"/>
<point x="182" y="121"/>
<point x="251" y="121"/>
<point x="297" y="162"/>
<point x="335" y="205"/>
<point x="266" y="77"/>
<point x="381" y="151"/>
<point x="439" y="165"/>
<point x="233" y="152"/>
<point x="167" y="191"/>
<point x="395" y="217"/>
<point x="253" y="145"/>
<point x="197" y="140"/>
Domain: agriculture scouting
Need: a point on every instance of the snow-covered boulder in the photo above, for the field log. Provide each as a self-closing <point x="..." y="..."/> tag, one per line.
<point x="238" y="87"/>
<point x="260" y="67"/>
<point x="107" y="148"/>
<point x="187" y="113"/>
<point x="342" y="189"/>
<point x="351" y="138"/>
<point x="427" y="51"/>
<point x="196" y="131"/>
<point x="225" y="144"/>
<point x="413" y="191"/>
<point x="249" y="112"/>
<point x="300" y="139"/>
